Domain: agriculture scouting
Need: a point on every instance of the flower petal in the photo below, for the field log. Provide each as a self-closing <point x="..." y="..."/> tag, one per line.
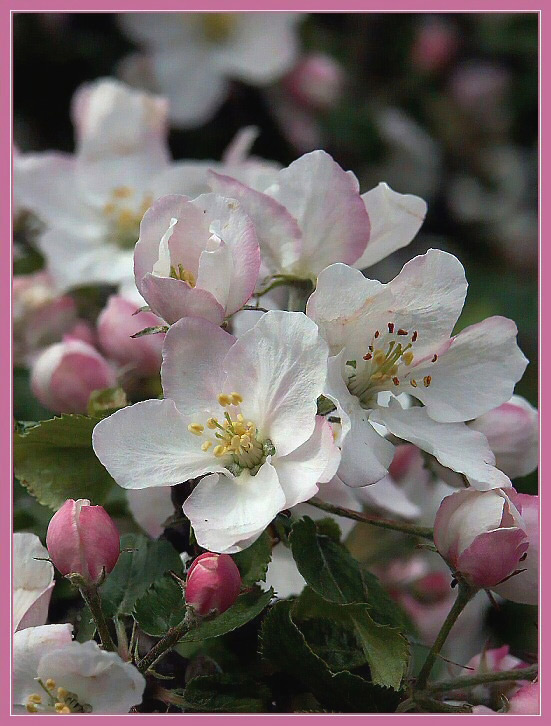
<point x="395" y="220"/>
<point x="150" y="508"/>
<point x="226" y="512"/>
<point x="149" y="445"/>
<point x="492" y="556"/>
<point x="476" y="373"/>
<point x="279" y="367"/>
<point x="173" y="300"/>
<point x="32" y="581"/>
<point x="454" y="445"/>
<point x="366" y="455"/>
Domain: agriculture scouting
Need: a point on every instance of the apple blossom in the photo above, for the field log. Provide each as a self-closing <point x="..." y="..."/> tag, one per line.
<point x="196" y="257"/>
<point x="388" y="340"/>
<point x="150" y="508"/>
<point x="83" y="539"/>
<point x="116" y="324"/>
<point x="316" y="81"/>
<point x="54" y="674"/>
<point x="193" y="55"/>
<point x="241" y="411"/>
<point x="481" y="535"/>
<point x="33" y="581"/>
<point x="65" y="374"/>
<point x="313" y="215"/>
<point x="213" y="583"/>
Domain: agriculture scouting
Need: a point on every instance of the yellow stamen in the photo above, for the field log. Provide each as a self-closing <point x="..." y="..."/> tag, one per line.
<point x="206" y="445"/>
<point x="62" y="693"/>
<point x="31" y="708"/>
<point x="236" y="398"/>
<point x="62" y="708"/>
<point x="224" y="399"/>
<point x="212" y="423"/>
<point x="123" y="192"/>
<point x="35" y="698"/>
<point x="413" y="382"/>
<point x="196" y="429"/>
<point x="407" y="357"/>
<point x="379" y="357"/>
<point x="219" y="450"/>
<point x="426" y="381"/>
<point x="50" y="683"/>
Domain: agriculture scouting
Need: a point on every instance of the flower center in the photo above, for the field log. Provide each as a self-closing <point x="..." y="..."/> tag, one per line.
<point x="234" y="438"/>
<point x="57" y="700"/>
<point x="217" y="27"/>
<point x="180" y="273"/>
<point x="124" y="216"/>
<point x="385" y="364"/>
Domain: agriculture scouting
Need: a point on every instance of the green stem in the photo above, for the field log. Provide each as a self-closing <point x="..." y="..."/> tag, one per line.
<point x="91" y="597"/>
<point x="404" y="527"/>
<point x="122" y="639"/>
<point x="298" y="295"/>
<point x="464" y="594"/>
<point x="516" y="674"/>
<point x="167" y="642"/>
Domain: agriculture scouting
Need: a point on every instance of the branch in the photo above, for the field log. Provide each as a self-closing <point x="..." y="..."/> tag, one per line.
<point x="516" y="674"/>
<point x="412" y="529"/>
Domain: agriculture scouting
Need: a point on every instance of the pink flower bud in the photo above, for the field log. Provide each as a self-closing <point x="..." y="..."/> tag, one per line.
<point x="65" y="374"/>
<point x="117" y="323"/>
<point x="316" y="82"/>
<point x="434" y="45"/>
<point x="81" y="330"/>
<point x="83" y="539"/>
<point x="213" y="583"/>
<point x="481" y="535"/>
<point x="512" y="430"/>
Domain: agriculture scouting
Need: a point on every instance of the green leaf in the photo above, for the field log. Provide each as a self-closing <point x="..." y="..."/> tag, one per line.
<point x="25" y="404"/>
<point x="54" y="461"/>
<point x="253" y="562"/>
<point x="151" y="331"/>
<point x="162" y="607"/>
<point x="285" y="647"/>
<point x="333" y="642"/>
<point x="246" y="607"/>
<point x="326" y="566"/>
<point x="136" y="571"/>
<point x="226" y="693"/>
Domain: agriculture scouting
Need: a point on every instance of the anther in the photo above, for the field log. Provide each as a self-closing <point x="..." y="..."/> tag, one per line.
<point x="205" y="446"/>
<point x="367" y="356"/>
<point x="62" y="708"/>
<point x="402" y="332"/>
<point x="426" y="381"/>
<point x="377" y="333"/>
<point x="219" y="450"/>
<point x="31" y="708"/>
<point x="62" y="693"/>
<point x="236" y="398"/>
<point x="224" y="399"/>
<point x="407" y="357"/>
<point x="391" y="327"/>
<point x="434" y="358"/>
<point x="195" y="428"/>
<point x="414" y="336"/>
<point x="50" y="683"/>
<point x="35" y="698"/>
<point x="413" y="382"/>
<point x="396" y="381"/>
<point x="212" y="423"/>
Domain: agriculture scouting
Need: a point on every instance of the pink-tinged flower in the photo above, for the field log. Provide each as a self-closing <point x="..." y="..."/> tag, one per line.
<point x="213" y="583"/>
<point x="82" y="330"/>
<point x="241" y="411"/>
<point x="316" y="81"/>
<point x="434" y="45"/>
<point x="116" y="324"/>
<point x="391" y="339"/>
<point x="150" y="508"/>
<point x="54" y="674"/>
<point x="65" y="374"/>
<point x="524" y="587"/>
<point x="512" y="430"/>
<point x="33" y="581"/>
<point x="196" y="257"/>
<point x="193" y="56"/>
<point x="481" y="535"/>
<point x="525" y="702"/>
<point x="312" y="215"/>
<point x="40" y="315"/>
<point x="494" y="660"/>
<point x="83" y="539"/>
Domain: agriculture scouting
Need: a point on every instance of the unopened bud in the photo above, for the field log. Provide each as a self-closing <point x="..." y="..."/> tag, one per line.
<point x="213" y="583"/>
<point x="83" y="539"/>
<point x="316" y="82"/>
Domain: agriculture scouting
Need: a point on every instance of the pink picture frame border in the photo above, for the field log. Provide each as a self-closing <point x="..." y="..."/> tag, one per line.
<point x="9" y="7"/>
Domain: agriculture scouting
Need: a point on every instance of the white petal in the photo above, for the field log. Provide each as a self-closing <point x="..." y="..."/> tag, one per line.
<point x="149" y="445"/>
<point x="474" y="374"/>
<point x="226" y="512"/>
<point x="150" y="508"/>
<point x="279" y="367"/>
<point x="366" y="455"/>
<point x="388" y="496"/>
<point x="301" y="470"/>
<point x="395" y="220"/>
<point x="193" y="364"/>
<point x="29" y="646"/>
<point x="32" y="578"/>
<point x="101" y="679"/>
<point x="454" y="445"/>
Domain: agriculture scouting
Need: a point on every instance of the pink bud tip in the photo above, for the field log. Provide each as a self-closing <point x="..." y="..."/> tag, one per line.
<point x="213" y="583"/>
<point x="83" y="539"/>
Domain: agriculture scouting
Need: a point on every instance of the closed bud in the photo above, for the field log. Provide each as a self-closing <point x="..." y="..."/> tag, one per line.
<point x="316" y="82"/>
<point x="213" y="584"/>
<point x="83" y="539"/>
<point x="65" y="374"/>
<point x="117" y="323"/>
<point x="481" y="535"/>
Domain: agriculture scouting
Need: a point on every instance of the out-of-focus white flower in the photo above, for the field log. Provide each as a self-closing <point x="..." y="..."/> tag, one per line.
<point x="196" y="257"/>
<point x="393" y="339"/>
<point x="243" y="412"/>
<point x="54" y="674"/>
<point x="192" y="56"/>
<point x="33" y="581"/>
